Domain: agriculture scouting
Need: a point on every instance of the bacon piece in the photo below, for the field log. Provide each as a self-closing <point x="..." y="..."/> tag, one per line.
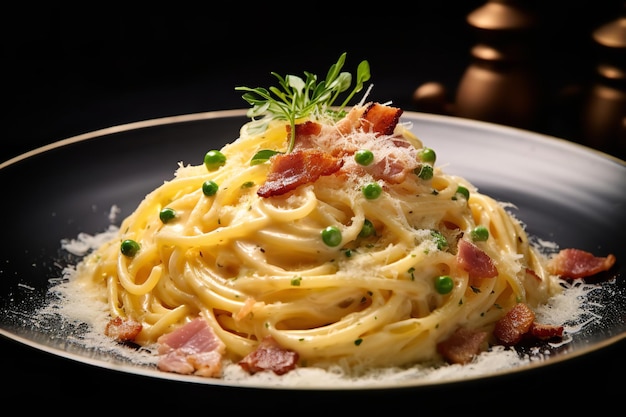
<point x="475" y="261"/>
<point x="376" y="117"/>
<point x="545" y="331"/>
<point x="270" y="356"/>
<point x="123" y="330"/>
<point x="191" y="349"/>
<point x="462" y="345"/>
<point x="305" y="134"/>
<point x="288" y="171"/>
<point x="396" y="156"/>
<point x="512" y="327"/>
<point x="519" y="323"/>
<point x="576" y="263"/>
<point x="380" y="118"/>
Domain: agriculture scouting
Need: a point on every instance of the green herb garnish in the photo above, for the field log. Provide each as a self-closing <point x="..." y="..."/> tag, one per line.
<point x="439" y="239"/>
<point x="262" y="156"/>
<point x="300" y="98"/>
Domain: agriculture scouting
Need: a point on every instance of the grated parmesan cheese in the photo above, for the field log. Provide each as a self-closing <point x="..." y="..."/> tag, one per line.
<point x="568" y="308"/>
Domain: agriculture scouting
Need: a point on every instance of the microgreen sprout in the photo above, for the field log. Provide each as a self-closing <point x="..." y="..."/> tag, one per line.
<point x="300" y="98"/>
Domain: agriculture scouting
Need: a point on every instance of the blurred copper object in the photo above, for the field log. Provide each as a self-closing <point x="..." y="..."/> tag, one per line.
<point x="603" y="119"/>
<point x="500" y="84"/>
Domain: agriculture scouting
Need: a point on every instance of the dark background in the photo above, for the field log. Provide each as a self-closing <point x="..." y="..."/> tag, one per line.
<point x="72" y="70"/>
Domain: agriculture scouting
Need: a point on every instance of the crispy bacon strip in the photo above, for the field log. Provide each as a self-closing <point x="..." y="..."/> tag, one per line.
<point x="270" y="356"/>
<point x="381" y="119"/>
<point x="123" y="330"/>
<point x="576" y="263"/>
<point x="512" y="327"/>
<point x="475" y="261"/>
<point x="316" y="154"/>
<point x="462" y="345"/>
<point x="376" y="117"/>
<point x="289" y="171"/>
<point x="519" y="323"/>
<point x="545" y="331"/>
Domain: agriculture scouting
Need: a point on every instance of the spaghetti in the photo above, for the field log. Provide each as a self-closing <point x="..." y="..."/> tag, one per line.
<point x="258" y="266"/>
<point x="335" y="238"/>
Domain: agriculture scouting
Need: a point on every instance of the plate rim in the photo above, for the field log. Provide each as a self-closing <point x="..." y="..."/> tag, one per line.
<point x="227" y="113"/>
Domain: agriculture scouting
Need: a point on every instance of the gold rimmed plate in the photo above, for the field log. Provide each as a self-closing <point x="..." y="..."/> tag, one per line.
<point x="563" y="192"/>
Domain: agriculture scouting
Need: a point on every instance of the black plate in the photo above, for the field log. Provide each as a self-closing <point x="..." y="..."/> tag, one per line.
<point x="564" y="192"/>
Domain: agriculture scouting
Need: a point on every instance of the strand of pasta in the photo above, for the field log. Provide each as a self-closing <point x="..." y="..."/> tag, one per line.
<point x="255" y="267"/>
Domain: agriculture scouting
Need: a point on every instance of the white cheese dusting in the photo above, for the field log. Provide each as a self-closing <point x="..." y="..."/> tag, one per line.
<point x="568" y="308"/>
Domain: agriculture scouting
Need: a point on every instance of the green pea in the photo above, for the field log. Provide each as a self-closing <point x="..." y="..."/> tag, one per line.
<point x="444" y="284"/>
<point x="367" y="229"/>
<point x="331" y="236"/>
<point x="463" y="191"/>
<point x="364" y="157"/>
<point x="167" y="214"/>
<point x="480" y="233"/>
<point x="425" y="172"/>
<point x="214" y="159"/>
<point x="129" y="248"/>
<point x="427" y="155"/>
<point x="372" y="191"/>
<point x="209" y="188"/>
